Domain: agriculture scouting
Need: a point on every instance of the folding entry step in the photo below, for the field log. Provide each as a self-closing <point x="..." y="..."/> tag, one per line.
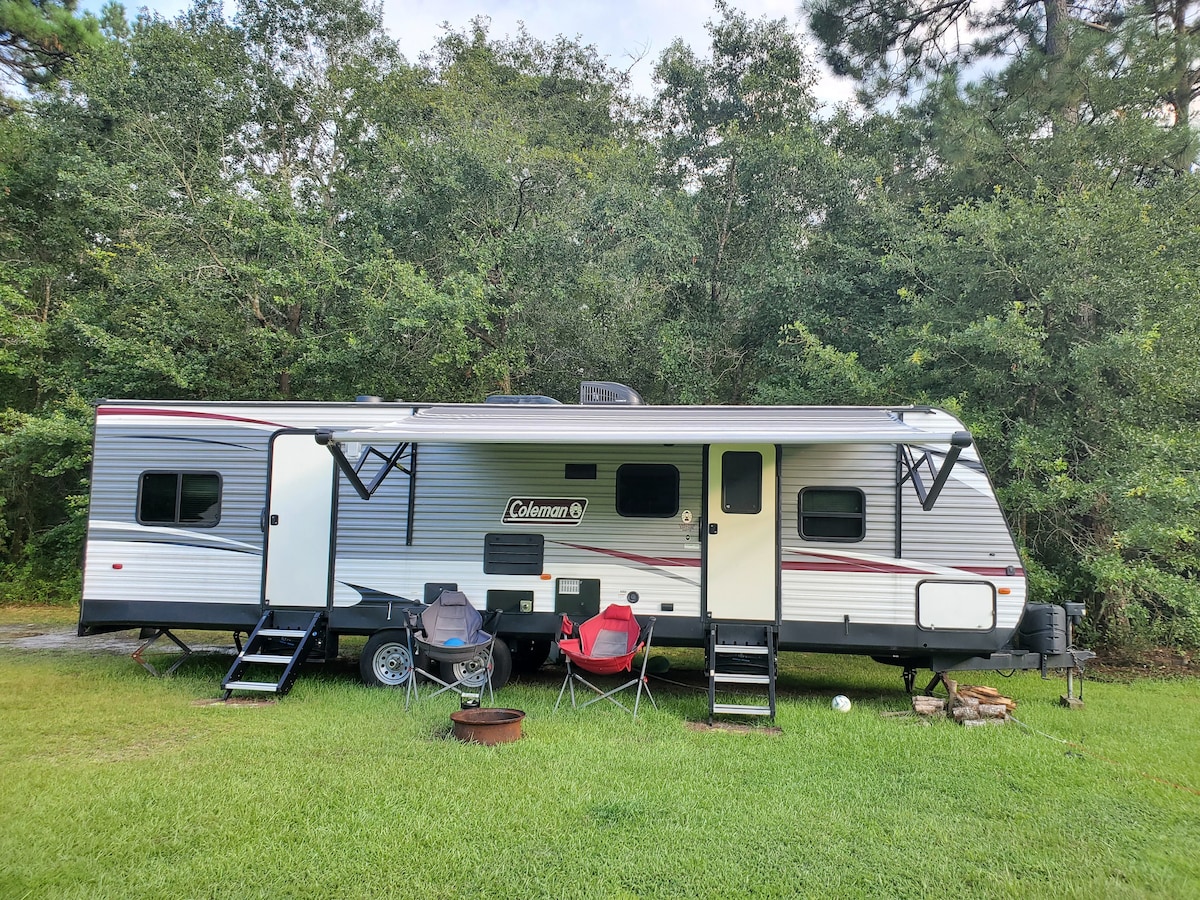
<point x="274" y="648"/>
<point x="740" y="656"/>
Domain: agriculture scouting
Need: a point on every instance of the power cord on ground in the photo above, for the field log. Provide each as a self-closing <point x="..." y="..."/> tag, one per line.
<point x="1095" y="755"/>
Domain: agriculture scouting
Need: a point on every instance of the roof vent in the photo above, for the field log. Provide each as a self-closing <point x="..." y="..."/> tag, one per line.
<point x="608" y="393"/>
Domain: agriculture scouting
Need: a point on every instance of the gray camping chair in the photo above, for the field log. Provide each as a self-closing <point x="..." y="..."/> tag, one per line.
<point x="450" y="633"/>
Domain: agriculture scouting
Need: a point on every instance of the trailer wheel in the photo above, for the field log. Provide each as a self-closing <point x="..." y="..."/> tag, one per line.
<point x="471" y="672"/>
<point x="529" y="654"/>
<point x="386" y="660"/>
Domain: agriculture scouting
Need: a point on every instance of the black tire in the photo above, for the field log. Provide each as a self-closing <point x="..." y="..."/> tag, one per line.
<point x="529" y="654"/>
<point x="501" y="668"/>
<point x="386" y="660"/>
<point x="501" y="664"/>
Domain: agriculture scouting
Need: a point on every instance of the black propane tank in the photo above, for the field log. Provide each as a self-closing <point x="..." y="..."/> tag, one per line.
<point x="1043" y="628"/>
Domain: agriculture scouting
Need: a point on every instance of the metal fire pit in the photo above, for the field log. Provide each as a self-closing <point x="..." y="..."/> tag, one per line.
<point x="487" y="726"/>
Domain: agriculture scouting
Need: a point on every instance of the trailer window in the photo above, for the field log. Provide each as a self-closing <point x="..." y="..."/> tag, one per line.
<point x="646" y="491"/>
<point x="832" y="514"/>
<point x="741" y="482"/>
<point x="179" y="498"/>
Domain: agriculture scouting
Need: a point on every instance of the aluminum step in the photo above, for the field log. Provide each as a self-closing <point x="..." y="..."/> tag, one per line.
<point x="265" y="686"/>
<point x="282" y="632"/>
<point x="738" y="678"/>
<point x="740" y="709"/>
<point x="270" y="658"/>
<point x="751" y="650"/>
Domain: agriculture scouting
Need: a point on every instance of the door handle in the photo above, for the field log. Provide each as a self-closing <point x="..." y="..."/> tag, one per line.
<point x="712" y="528"/>
<point x="274" y="520"/>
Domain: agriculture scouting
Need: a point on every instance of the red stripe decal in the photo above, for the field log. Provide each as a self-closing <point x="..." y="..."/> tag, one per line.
<point x="855" y="566"/>
<point x="666" y="561"/>
<point x="849" y="564"/>
<point x="834" y="564"/>
<point x="179" y="413"/>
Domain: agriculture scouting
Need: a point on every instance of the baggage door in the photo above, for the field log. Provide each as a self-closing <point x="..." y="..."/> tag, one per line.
<point x="301" y="505"/>
<point x="741" y="532"/>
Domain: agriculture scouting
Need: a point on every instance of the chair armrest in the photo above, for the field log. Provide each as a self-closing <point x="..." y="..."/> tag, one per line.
<point x="566" y="629"/>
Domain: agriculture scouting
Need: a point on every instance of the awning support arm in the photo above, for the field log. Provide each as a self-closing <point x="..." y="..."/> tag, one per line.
<point x="351" y="470"/>
<point x="390" y="461"/>
<point x="912" y="465"/>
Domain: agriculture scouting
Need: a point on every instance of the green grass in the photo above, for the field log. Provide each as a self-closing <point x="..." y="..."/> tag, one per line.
<point x="116" y="784"/>
<point x="41" y="614"/>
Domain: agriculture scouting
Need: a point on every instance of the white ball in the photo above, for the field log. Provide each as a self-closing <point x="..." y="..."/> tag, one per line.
<point x="841" y="703"/>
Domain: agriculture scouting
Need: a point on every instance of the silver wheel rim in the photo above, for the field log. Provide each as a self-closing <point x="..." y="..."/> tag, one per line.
<point x="472" y="673"/>
<point x="392" y="664"/>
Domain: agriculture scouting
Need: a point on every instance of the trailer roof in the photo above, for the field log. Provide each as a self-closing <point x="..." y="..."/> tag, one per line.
<point x="516" y="423"/>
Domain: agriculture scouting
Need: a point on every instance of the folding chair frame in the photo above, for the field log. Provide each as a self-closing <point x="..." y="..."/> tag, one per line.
<point x="450" y="655"/>
<point x="644" y="639"/>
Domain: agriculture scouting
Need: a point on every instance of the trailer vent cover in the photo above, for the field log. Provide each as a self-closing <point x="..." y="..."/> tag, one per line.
<point x="608" y="393"/>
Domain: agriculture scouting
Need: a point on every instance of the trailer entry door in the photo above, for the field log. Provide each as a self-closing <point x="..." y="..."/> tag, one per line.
<point x="741" y="534"/>
<point x="300" y="511"/>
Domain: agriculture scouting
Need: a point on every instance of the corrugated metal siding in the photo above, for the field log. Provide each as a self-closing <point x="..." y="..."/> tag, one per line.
<point x="870" y="468"/>
<point x="966" y="530"/>
<point x="462" y="491"/>
<point x="219" y="564"/>
<point x="828" y="596"/>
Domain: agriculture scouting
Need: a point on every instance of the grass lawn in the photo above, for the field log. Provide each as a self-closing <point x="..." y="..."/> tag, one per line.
<point x="116" y="784"/>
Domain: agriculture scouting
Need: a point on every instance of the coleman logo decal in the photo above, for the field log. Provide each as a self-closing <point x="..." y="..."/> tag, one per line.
<point x="543" y="511"/>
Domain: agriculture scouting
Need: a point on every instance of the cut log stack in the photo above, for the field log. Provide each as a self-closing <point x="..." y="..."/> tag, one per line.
<point x="986" y="696"/>
<point x="968" y="705"/>
<point x="929" y="706"/>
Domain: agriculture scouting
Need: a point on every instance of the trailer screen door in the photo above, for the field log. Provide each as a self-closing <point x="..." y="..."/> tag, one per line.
<point x="741" y="541"/>
<point x="300" y="509"/>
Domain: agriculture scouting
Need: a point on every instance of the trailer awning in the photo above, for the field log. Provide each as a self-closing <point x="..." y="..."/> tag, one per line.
<point x="529" y="424"/>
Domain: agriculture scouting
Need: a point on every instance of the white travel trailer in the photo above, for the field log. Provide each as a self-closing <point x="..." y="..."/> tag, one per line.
<point x="742" y="529"/>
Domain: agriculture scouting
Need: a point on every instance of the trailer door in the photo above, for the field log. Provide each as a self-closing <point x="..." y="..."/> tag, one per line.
<point x="301" y="505"/>
<point x="741" y="534"/>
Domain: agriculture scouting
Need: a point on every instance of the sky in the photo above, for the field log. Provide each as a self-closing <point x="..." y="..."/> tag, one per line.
<point x="622" y="30"/>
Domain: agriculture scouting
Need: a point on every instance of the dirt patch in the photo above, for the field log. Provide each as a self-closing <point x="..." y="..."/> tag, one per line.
<point x="19" y="631"/>
<point x="1160" y="662"/>
<point x="735" y="728"/>
<point x="232" y="701"/>
<point x="64" y="637"/>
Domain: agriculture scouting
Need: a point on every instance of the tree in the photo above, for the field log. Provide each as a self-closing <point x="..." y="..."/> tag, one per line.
<point x="892" y="45"/>
<point x="739" y="147"/>
<point x="511" y="164"/>
<point x="1072" y="61"/>
<point x="40" y="38"/>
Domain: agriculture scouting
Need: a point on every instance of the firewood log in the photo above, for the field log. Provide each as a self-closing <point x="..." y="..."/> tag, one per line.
<point x="981" y="689"/>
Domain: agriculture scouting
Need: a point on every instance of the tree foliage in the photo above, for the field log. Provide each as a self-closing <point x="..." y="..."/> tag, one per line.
<point x="39" y="39"/>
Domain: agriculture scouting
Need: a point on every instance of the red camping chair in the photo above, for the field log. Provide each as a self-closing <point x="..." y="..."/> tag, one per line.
<point x="605" y="645"/>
